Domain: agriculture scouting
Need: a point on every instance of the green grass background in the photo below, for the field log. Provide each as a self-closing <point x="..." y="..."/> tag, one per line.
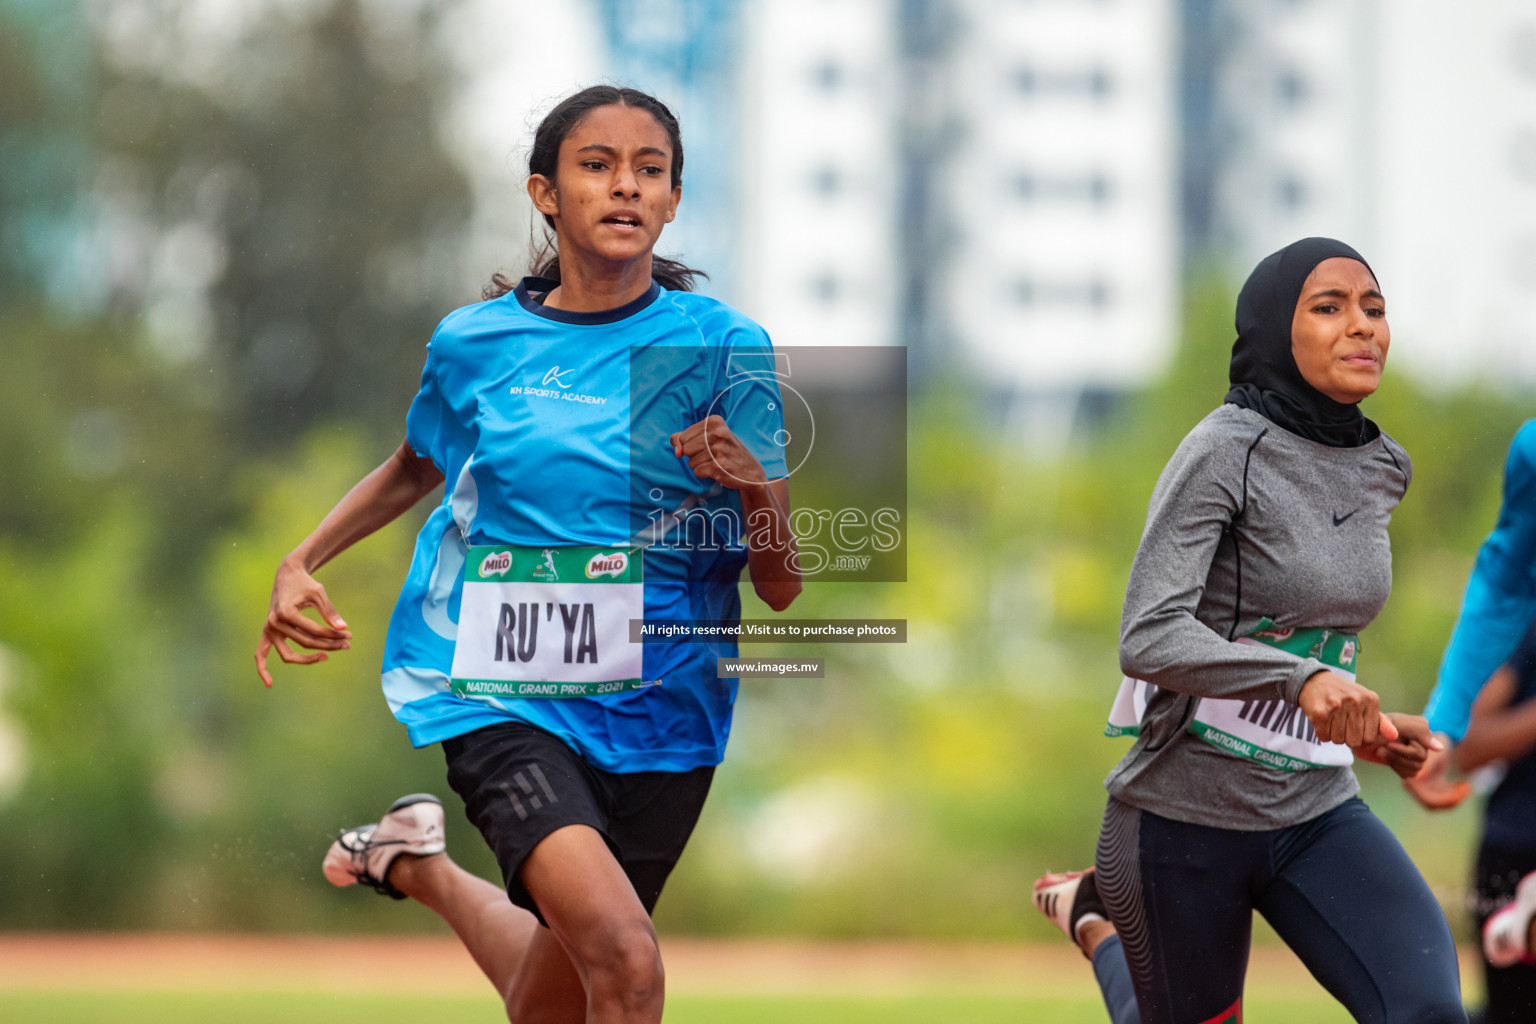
<point x="290" y="1008"/>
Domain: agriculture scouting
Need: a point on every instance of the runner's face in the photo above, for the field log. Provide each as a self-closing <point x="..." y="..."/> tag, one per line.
<point x="612" y="192"/>
<point x="1339" y="333"/>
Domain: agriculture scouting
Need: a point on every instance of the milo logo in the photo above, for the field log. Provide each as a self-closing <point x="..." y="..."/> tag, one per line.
<point x="1279" y="634"/>
<point x="607" y="565"/>
<point x="496" y="563"/>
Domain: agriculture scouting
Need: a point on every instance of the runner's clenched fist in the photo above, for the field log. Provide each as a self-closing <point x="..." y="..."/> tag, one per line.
<point x="1343" y="711"/>
<point x="715" y="453"/>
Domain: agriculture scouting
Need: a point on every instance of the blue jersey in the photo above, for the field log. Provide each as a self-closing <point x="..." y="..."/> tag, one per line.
<point x="1500" y="599"/>
<point x="552" y="429"/>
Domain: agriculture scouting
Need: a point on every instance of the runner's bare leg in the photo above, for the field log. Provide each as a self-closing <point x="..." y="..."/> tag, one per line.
<point x="500" y="937"/>
<point x="599" y="962"/>
<point x="599" y="921"/>
<point x="1091" y="933"/>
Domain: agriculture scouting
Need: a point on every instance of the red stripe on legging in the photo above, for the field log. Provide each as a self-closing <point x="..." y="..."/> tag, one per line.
<point x="1231" y="1015"/>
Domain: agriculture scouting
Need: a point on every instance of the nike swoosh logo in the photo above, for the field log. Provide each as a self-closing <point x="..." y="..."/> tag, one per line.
<point x="1341" y="520"/>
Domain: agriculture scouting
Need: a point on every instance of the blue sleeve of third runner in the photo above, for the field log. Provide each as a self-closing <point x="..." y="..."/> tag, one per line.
<point x="1500" y="600"/>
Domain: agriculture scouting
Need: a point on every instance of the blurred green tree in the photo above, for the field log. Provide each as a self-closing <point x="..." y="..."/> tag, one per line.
<point x="264" y="222"/>
<point x="300" y="208"/>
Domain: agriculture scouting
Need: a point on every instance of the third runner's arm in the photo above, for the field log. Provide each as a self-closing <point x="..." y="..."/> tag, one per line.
<point x="1500" y="599"/>
<point x="1500" y="729"/>
<point x="375" y="501"/>
<point x="1496" y="609"/>
<point x="1407" y="754"/>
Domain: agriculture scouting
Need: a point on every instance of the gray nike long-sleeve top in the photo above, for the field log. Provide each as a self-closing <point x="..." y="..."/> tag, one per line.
<point x="1248" y="521"/>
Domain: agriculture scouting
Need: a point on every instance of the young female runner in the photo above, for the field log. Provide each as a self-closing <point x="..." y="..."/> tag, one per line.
<point x="574" y="416"/>
<point x="1265" y="552"/>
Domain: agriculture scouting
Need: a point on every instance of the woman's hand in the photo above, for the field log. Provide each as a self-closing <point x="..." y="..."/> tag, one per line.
<point x="715" y="453"/>
<point x="398" y="483"/>
<point x="294" y="590"/>
<point x="1343" y="711"/>
<point x="1407" y="754"/>
<point x="1431" y="787"/>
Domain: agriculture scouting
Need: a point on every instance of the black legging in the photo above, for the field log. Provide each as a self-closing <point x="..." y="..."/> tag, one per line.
<point x="1339" y="890"/>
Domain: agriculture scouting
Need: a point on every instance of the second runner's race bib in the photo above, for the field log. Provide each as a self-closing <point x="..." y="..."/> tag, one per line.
<point x="549" y="622"/>
<point x="1270" y="732"/>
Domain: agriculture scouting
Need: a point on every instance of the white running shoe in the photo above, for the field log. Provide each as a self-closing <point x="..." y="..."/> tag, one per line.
<point x="1505" y="934"/>
<point x="363" y="855"/>
<point x="1070" y="900"/>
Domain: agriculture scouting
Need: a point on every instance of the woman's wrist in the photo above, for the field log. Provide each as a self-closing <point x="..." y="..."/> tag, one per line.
<point x="298" y="560"/>
<point x="756" y="490"/>
<point x="1305" y="671"/>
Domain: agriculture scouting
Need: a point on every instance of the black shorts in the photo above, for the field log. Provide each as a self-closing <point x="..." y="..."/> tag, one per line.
<point x="520" y="783"/>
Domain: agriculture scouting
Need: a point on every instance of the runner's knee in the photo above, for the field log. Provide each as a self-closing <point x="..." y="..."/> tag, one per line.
<point x="624" y="962"/>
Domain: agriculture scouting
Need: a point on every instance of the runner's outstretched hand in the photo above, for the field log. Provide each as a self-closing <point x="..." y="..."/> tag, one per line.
<point x="294" y="590"/>
<point x="399" y="482"/>
<point x="1431" y="787"/>
<point x="1406" y="754"/>
<point x="1343" y="711"/>
<point x="715" y="453"/>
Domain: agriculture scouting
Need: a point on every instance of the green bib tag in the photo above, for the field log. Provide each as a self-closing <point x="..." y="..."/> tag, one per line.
<point x="1335" y="649"/>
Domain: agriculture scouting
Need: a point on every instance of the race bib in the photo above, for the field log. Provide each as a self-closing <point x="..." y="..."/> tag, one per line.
<point x="549" y="622"/>
<point x="1270" y="732"/>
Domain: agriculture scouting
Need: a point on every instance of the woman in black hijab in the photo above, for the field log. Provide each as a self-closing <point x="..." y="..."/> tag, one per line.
<point x="1265" y="553"/>
<point x="1264" y="373"/>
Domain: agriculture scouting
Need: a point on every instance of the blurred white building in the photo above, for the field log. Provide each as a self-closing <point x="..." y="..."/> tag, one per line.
<point x="1017" y="187"/>
<point x="989" y="180"/>
<point x="1457" y="186"/>
<point x="818" y="171"/>
<point x="1065" y="270"/>
<point x="1284" y="142"/>
<point x="1402" y="127"/>
<point x="1018" y="173"/>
